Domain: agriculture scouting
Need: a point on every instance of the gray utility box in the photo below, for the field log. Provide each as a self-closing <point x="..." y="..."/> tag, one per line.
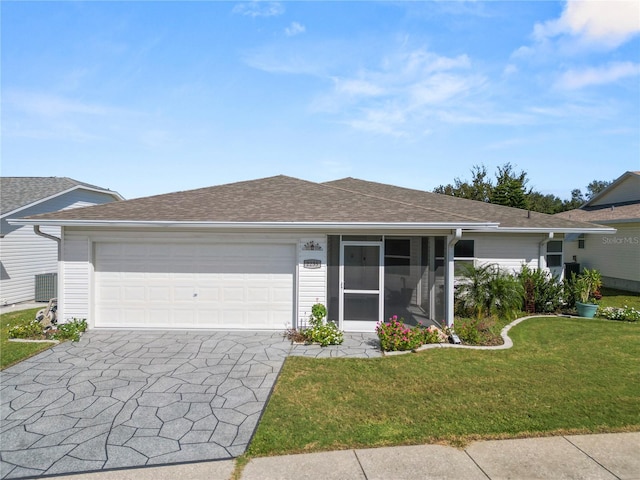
<point x="46" y="287"/>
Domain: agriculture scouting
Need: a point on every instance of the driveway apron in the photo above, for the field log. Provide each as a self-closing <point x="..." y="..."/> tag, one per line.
<point x="130" y="398"/>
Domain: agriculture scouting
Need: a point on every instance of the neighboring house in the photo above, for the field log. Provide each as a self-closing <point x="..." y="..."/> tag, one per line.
<point x="258" y="254"/>
<point x="616" y="256"/>
<point x="24" y="254"/>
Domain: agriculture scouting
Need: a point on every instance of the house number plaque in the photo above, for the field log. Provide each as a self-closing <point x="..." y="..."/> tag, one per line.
<point x="312" y="263"/>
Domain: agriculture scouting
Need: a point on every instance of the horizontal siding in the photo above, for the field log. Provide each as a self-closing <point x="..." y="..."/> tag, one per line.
<point x="76" y="268"/>
<point x="24" y="254"/>
<point x="615" y="256"/>
<point x="509" y="252"/>
<point x="312" y="282"/>
<point x="627" y="191"/>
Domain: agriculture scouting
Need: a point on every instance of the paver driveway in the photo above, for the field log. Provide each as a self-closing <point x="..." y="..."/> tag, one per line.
<point x="131" y="398"/>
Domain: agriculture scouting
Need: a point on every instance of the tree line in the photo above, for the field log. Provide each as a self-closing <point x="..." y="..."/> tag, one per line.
<point x="510" y="188"/>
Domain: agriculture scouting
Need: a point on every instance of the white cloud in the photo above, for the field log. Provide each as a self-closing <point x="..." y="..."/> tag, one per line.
<point x="294" y="29"/>
<point x="575" y="79"/>
<point x="357" y="87"/>
<point x="603" y="22"/>
<point x="259" y="9"/>
<point x="47" y="105"/>
<point x="510" y="69"/>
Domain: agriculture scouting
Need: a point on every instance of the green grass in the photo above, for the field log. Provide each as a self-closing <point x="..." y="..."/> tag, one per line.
<point x="619" y="298"/>
<point x="12" y="352"/>
<point x="562" y="376"/>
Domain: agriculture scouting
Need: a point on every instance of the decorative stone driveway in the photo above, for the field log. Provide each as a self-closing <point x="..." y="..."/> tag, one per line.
<point x="129" y="398"/>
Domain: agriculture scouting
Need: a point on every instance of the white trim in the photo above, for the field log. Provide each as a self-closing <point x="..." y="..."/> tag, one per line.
<point x="486" y="227"/>
<point x="50" y="197"/>
<point x="543" y="230"/>
<point x="354" y="325"/>
<point x="276" y="225"/>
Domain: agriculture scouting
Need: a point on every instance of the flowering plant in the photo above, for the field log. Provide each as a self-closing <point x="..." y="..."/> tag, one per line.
<point x="626" y="314"/>
<point x="395" y="336"/>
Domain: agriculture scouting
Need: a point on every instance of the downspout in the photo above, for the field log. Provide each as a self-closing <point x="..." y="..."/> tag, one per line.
<point x="36" y="229"/>
<point x="542" y="251"/>
<point x="451" y="276"/>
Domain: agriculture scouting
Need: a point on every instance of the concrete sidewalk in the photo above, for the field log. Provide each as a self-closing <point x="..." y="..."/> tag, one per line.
<point x="605" y="456"/>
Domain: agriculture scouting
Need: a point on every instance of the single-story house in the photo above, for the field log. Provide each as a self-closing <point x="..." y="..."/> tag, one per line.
<point x="258" y="254"/>
<point x="25" y="253"/>
<point x="616" y="256"/>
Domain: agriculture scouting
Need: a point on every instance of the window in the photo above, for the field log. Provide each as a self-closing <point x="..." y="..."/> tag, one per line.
<point x="581" y="241"/>
<point x="397" y="256"/>
<point x="463" y="254"/>
<point x="554" y="253"/>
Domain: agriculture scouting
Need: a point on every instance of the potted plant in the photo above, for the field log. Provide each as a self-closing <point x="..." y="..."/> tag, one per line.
<point x="587" y="286"/>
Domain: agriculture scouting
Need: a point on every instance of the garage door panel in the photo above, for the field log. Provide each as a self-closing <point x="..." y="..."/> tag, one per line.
<point x="194" y="286"/>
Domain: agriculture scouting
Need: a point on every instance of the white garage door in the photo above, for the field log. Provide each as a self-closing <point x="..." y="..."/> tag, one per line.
<point x="194" y="286"/>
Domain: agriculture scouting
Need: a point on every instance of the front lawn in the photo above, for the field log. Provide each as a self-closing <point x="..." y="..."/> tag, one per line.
<point x="13" y="352"/>
<point x="562" y="376"/>
<point x="619" y="298"/>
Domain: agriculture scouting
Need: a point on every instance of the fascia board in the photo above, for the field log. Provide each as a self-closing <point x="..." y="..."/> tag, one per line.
<point x="63" y="192"/>
<point x="259" y="225"/>
<point x="547" y="230"/>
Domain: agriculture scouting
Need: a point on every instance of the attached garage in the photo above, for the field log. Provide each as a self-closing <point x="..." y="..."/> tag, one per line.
<point x="185" y="285"/>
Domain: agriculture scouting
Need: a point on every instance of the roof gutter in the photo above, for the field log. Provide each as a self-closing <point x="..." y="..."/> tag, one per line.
<point x="489" y="226"/>
<point x="589" y="229"/>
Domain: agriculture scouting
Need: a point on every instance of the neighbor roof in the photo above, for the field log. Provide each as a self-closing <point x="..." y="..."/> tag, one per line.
<point x="604" y="214"/>
<point x="286" y="200"/>
<point x="619" y="202"/>
<point x="19" y="192"/>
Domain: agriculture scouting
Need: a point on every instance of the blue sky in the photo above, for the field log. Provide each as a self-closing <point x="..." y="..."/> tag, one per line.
<point x="154" y="97"/>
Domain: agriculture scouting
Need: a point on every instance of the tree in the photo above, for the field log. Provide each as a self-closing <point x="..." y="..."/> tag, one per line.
<point x="545" y="203"/>
<point x="510" y="188"/>
<point x="478" y="189"/>
<point x="595" y="187"/>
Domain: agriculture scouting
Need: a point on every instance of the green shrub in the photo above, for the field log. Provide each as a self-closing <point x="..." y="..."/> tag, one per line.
<point x="543" y="292"/>
<point x="71" y="330"/>
<point x="33" y="329"/>
<point x="475" y="331"/>
<point x="486" y="290"/>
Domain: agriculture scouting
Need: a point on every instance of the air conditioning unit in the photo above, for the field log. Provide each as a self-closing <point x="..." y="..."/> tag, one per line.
<point x="46" y="287"/>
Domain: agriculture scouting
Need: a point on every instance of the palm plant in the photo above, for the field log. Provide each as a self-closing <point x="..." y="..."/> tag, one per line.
<point x="486" y="290"/>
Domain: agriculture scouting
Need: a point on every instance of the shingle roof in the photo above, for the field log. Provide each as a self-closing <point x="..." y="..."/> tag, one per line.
<point x="508" y="217"/>
<point x="16" y="192"/>
<point x="604" y="213"/>
<point x="285" y="199"/>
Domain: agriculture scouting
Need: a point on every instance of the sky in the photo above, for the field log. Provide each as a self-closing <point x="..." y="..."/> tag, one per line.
<point x="154" y="97"/>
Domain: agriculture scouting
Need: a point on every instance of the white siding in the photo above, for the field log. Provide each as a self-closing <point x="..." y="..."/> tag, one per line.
<point x="614" y="255"/>
<point x="509" y="252"/>
<point x="78" y="270"/>
<point x="23" y="254"/>
<point x="628" y="190"/>
<point x="312" y="282"/>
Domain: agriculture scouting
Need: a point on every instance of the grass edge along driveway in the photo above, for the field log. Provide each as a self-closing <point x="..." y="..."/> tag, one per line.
<point x="14" y="352"/>
<point x="563" y="375"/>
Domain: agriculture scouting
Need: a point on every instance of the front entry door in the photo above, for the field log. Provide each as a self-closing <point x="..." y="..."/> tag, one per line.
<point x="361" y="285"/>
